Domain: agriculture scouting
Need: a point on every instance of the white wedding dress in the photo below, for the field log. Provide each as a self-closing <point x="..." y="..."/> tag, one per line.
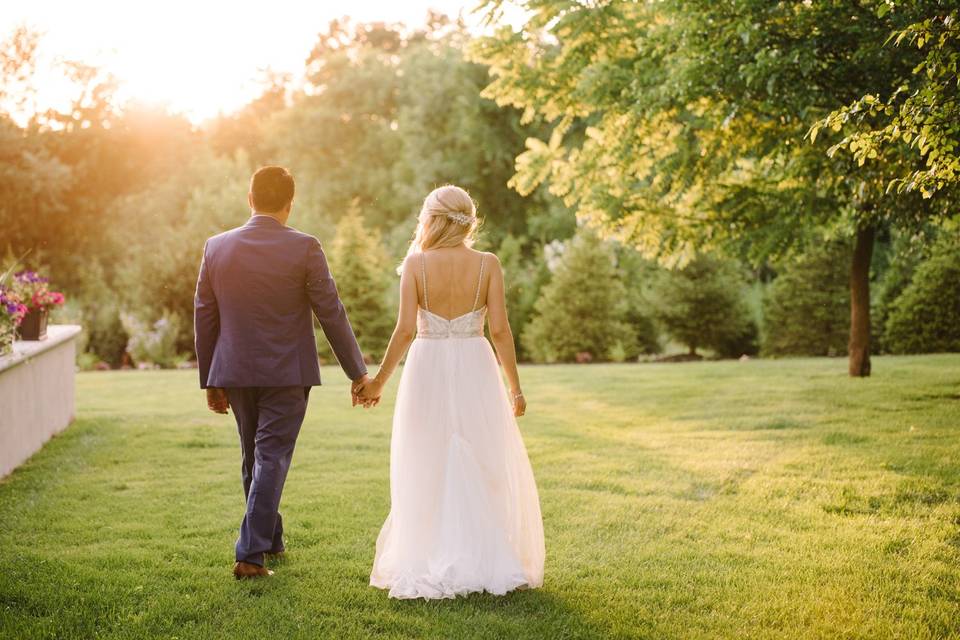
<point x="464" y="515"/>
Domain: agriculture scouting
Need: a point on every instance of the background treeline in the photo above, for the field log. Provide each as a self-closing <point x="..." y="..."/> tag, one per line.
<point x="115" y="201"/>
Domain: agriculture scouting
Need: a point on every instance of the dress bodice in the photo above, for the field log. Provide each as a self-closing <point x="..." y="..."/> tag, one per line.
<point x="469" y="325"/>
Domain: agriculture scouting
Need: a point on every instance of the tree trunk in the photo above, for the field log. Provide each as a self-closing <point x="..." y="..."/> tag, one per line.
<point x="859" y="347"/>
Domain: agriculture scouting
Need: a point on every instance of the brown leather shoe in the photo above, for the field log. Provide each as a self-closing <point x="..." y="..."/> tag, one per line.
<point x="247" y="570"/>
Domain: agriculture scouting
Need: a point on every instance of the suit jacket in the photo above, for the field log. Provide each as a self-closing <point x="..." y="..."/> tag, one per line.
<point x="252" y="311"/>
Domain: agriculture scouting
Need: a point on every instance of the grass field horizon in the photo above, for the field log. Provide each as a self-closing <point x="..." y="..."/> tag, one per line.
<point x="761" y="499"/>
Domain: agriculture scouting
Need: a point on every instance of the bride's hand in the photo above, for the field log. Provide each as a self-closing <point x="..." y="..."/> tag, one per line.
<point x="519" y="404"/>
<point x="371" y="392"/>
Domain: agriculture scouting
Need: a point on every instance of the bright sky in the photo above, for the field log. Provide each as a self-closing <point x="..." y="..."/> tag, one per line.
<point x="198" y="57"/>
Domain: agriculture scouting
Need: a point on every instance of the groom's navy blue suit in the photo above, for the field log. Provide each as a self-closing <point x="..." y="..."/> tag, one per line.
<point x="258" y="288"/>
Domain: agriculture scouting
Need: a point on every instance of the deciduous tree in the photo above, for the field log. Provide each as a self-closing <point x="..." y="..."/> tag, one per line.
<point x="683" y="125"/>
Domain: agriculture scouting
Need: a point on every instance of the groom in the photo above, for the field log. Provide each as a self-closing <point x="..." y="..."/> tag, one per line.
<point x="257" y="352"/>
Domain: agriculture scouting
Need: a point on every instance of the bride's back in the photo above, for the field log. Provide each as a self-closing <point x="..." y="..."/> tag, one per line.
<point x="451" y="281"/>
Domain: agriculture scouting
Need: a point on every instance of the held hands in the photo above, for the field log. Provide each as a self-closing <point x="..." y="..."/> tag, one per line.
<point x="366" y="391"/>
<point x="217" y="400"/>
<point x="371" y="392"/>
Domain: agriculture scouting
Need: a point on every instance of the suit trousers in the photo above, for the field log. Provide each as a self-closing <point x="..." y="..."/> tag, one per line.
<point x="268" y="420"/>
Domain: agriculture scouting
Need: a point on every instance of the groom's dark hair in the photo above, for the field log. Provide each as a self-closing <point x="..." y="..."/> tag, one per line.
<point x="272" y="189"/>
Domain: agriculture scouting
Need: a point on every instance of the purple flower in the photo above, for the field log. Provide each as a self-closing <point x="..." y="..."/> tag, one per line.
<point x="31" y="277"/>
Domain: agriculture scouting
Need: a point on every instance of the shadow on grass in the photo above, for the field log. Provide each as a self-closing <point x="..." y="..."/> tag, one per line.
<point x="535" y="613"/>
<point x="549" y="614"/>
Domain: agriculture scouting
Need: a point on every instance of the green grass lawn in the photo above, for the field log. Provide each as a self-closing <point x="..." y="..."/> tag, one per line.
<point x="767" y="499"/>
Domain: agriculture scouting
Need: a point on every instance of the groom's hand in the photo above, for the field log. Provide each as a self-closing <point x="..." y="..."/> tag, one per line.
<point x="217" y="400"/>
<point x="370" y="393"/>
<point x="356" y="388"/>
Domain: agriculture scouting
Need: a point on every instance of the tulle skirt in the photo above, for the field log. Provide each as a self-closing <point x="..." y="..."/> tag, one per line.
<point x="464" y="515"/>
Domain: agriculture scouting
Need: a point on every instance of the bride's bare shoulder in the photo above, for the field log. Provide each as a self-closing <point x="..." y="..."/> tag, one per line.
<point x="489" y="258"/>
<point x="409" y="263"/>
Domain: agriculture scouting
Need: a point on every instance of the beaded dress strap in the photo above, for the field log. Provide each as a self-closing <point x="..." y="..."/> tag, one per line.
<point x="423" y="276"/>
<point x="476" y="298"/>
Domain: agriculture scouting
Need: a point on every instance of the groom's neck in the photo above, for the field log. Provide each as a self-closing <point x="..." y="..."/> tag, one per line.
<point x="280" y="216"/>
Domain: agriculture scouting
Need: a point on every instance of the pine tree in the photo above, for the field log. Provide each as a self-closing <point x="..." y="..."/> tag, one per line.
<point x="361" y="268"/>
<point x="925" y="318"/>
<point x="807" y="308"/>
<point x="582" y="310"/>
<point x="703" y="305"/>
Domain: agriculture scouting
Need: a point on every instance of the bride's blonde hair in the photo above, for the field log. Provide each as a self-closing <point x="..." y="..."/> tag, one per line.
<point x="448" y="218"/>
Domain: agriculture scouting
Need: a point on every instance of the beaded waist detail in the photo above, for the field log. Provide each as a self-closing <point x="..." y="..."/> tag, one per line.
<point x="434" y="327"/>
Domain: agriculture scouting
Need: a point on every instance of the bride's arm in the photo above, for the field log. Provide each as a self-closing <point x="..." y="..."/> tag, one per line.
<point x="403" y="333"/>
<point x="502" y="336"/>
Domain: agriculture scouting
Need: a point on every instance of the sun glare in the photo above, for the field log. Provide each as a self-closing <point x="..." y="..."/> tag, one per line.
<point x="195" y="58"/>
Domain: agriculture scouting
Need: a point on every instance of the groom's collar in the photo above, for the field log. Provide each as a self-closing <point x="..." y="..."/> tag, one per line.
<point x="258" y="219"/>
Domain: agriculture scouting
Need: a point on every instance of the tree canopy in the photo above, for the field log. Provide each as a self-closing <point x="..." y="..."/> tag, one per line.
<point x="922" y="112"/>
<point x="679" y="126"/>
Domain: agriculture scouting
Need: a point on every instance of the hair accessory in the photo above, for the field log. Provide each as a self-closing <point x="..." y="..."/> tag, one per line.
<point x="460" y="218"/>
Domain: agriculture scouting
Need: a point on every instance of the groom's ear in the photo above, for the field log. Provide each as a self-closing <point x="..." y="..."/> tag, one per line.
<point x="250" y="200"/>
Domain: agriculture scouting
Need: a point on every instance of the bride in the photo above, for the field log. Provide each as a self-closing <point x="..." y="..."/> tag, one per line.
<point x="464" y="515"/>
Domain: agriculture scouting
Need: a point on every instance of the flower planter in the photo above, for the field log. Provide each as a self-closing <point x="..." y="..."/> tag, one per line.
<point x="34" y="325"/>
<point x="36" y="396"/>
